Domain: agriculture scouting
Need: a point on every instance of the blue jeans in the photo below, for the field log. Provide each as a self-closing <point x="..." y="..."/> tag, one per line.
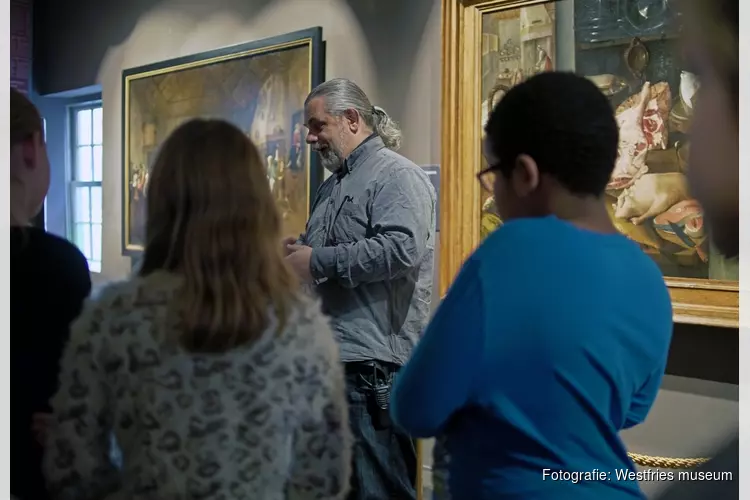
<point x="384" y="458"/>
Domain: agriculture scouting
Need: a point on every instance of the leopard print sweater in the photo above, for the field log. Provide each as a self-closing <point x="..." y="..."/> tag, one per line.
<point x="267" y="421"/>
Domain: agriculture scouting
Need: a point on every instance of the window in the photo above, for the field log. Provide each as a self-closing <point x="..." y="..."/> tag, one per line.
<point x="85" y="221"/>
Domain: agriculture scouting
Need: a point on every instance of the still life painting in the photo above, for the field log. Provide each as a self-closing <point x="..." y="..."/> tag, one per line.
<point x="259" y="86"/>
<point x="516" y="44"/>
<point x="631" y="51"/>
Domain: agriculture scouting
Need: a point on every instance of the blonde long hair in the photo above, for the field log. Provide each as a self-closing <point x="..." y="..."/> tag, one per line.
<point x="211" y="218"/>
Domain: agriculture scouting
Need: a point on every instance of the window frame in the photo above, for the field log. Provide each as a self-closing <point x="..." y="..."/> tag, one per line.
<point x="71" y="164"/>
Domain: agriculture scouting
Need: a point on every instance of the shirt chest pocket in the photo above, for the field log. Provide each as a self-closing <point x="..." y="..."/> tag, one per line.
<point x="351" y="223"/>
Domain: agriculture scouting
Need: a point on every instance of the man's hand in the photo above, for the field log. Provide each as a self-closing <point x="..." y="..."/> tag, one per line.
<point x="298" y="259"/>
<point x="286" y="243"/>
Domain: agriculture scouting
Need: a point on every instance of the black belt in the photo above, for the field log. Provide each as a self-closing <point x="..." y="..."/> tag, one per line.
<point x="366" y="367"/>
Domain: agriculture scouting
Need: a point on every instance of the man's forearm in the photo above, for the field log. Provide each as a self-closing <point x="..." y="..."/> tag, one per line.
<point x="382" y="257"/>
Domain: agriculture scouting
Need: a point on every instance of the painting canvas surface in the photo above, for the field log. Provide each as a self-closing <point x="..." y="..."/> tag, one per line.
<point x="516" y="44"/>
<point x="653" y="96"/>
<point x="641" y="69"/>
<point x="263" y="93"/>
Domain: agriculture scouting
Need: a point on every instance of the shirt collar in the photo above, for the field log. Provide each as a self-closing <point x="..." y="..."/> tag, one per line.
<point x="360" y="154"/>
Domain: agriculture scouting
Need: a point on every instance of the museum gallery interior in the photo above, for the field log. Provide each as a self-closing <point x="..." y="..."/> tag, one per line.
<point x="112" y="80"/>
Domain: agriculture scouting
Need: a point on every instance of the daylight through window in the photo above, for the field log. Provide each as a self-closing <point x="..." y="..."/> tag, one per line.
<point x="86" y="184"/>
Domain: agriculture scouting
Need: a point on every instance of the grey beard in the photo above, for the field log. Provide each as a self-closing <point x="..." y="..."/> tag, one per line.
<point x="330" y="160"/>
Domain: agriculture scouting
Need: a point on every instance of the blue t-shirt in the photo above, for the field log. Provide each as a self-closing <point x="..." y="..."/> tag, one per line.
<point x="551" y="340"/>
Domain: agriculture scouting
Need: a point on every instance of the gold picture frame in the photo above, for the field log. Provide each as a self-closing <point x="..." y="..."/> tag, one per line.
<point x="697" y="301"/>
<point x="260" y="86"/>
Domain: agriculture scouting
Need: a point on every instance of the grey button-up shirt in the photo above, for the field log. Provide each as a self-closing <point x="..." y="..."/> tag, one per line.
<point x="372" y="230"/>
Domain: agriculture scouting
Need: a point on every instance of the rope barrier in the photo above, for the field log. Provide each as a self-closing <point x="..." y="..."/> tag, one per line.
<point x="666" y="462"/>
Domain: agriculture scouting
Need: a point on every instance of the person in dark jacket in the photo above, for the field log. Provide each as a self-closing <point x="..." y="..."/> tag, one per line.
<point x="713" y="48"/>
<point x="49" y="282"/>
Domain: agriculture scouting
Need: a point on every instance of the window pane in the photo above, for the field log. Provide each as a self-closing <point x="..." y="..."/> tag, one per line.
<point x="96" y="204"/>
<point x="83" y="239"/>
<point x="83" y="170"/>
<point x="83" y="126"/>
<point x="97" y="126"/>
<point x="96" y="242"/>
<point x="97" y="152"/>
<point x="82" y="205"/>
<point x="95" y="266"/>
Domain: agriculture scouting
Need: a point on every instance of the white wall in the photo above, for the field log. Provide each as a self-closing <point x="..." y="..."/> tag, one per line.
<point x="175" y="29"/>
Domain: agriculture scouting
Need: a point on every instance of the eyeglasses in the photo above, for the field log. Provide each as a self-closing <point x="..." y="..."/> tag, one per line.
<point x="486" y="178"/>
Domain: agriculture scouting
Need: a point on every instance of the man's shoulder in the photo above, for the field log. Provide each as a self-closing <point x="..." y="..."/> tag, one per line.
<point x="392" y="165"/>
<point x="55" y="257"/>
<point x="394" y="161"/>
<point x="52" y="247"/>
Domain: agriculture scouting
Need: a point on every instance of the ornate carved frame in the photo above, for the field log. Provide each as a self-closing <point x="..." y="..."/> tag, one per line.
<point x="697" y="301"/>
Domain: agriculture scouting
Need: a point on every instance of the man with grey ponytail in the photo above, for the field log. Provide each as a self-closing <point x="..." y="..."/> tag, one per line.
<point x="387" y="129"/>
<point x="368" y="250"/>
